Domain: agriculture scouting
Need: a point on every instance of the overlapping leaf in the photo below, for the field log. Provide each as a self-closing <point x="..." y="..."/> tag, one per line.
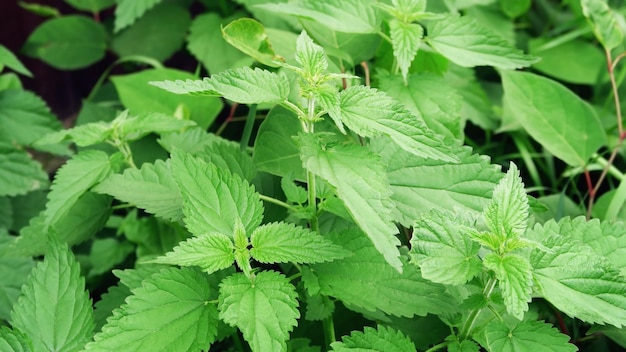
<point x="128" y="11"/>
<point x="379" y="339"/>
<point x="12" y="340"/>
<point x="525" y="336"/>
<point x="264" y="308"/>
<point x="14" y="272"/>
<point x="507" y="213"/>
<point x="406" y="39"/>
<point x="249" y="36"/>
<point x="169" y="312"/>
<point x="19" y="173"/>
<point x="515" y="276"/>
<point x="24" y="116"/>
<point x="214" y="200"/>
<point x="604" y="23"/>
<point x="66" y="323"/>
<point x="8" y="59"/>
<point x="211" y="252"/>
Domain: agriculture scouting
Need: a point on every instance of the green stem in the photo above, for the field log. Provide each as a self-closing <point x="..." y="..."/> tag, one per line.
<point x="438" y="347"/>
<point x="247" y="129"/>
<point x="310" y="177"/>
<point x="278" y="202"/>
<point x="466" y="330"/>
<point x="329" y="330"/>
<point x="133" y="58"/>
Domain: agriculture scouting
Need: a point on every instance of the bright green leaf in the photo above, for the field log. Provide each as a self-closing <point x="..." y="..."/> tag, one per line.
<point x="19" y="173"/>
<point x="91" y="5"/>
<point x="443" y="250"/>
<point x="311" y="57"/>
<point x="466" y="43"/>
<point x="282" y="243"/>
<point x="263" y="308"/>
<point x="169" y="312"/>
<point x="370" y="113"/>
<point x="12" y="340"/>
<point x="110" y="300"/>
<point x="507" y="213"/>
<point x="515" y="276"/>
<point x="604" y="22"/>
<point x="406" y="39"/>
<point x="525" y="336"/>
<point x="68" y="42"/>
<point x="515" y="8"/>
<point x="54" y="309"/>
<point x="248" y="35"/>
<point x="24" y="117"/>
<point x="403" y="295"/>
<point x="214" y="199"/>
<point x="463" y="346"/>
<point x="579" y="282"/>
<point x="379" y="339"/>
<point x="73" y="179"/>
<point x="361" y="183"/>
<point x="14" y="272"/>
<point x="128" y="11"/>
<point x="563" y="123"/>
<point x="8" y="59"/>
<point x="586" y="69"/>
<point x="211" y="252"/>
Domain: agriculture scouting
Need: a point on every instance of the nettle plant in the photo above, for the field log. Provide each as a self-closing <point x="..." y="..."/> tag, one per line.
<point x="358" y="210"/>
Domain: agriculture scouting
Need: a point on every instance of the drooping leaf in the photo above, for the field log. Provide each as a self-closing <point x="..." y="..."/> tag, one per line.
<point x="525" y="336"/>
<point x="443" y="250"/>
<point x="73" y="180"/>
<point x="157" y="35"/>
<point x="14" y="272"/>
<point x="361" y="183"/>
<point x="205" y="40"/>
<point x="563" y="123"/>
<point x="406" y="39"/>
<point x="24" y="117"/>
<point x="507" y="213"/>
<point x="170" y="311"/>
<point x="371" y="113"/>
<point x="128" y="11"/>
<point x="214" y="200"/>
<point x="417" y="184"/>
<point x="264" y="308"/>
<point x="248" y="35"/>
<point x="349" y="16"/>
<point x="138" y="96"/>
<point x="68" y="42"/>
<point x="8" y="59"/>
<point x="402" y="295"/>
<point x="371" y="339"/>
<point x="578" y="282"/>
<point x="515" y="276"/>
<point x="466" y="43"/>
<point x="13" y="340"/>
<point x="54" y="310"/>
<point x="211" y="252"/>
<point x="604" y="23"/>
<point x="281" y="242"/>
<point x="151" y="188"/>
<point x="19" y="173"/>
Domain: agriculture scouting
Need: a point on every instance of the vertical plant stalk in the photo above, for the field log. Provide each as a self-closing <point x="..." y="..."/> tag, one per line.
<point x="468" y="326"/>
<point x="310" y="177"/>
<point x="247" y="129"/>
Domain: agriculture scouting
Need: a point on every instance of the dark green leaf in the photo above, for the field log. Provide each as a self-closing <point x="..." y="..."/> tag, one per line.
<point x="380" y="339"/>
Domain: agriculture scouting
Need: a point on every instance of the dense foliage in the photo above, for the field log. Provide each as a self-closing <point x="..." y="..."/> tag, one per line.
<point x="347" y="176"/>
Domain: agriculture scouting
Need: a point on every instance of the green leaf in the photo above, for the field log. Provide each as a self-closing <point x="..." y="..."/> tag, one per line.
<point x="107" y="253"/>
<point x="515" y="8"/>
<point x="463" y="346"/>
<point x="158" y="34"/>
<point x="229" y="156"/>
<point x="214" y="199"/>
<point x="443" y="250"/>
<point x="604" y="22"/>
<point x="515" y="279"/>
<point x="263" y="308"/>
<point x="24" y="117"/>
<point x="379" y="339"/>
<point x="131" y="128"/>
<point x="152" y="236"/>
<point x="563" y="123"/>
<point x="54" y="309"/>
<point x="348" y="16"/>
<point x="578" y="282"/>
<point x="8" y="59"/>
<point x="282" y="243"/>
<point x="205" y="39"/>
<point x="294" y="193"/>
<point x="12" y="340"/>
<point x="14" y="272"/>
<point x="170" y="311"/>
<point x="68" y="43"/>
<point x="417" y="184"/>
<point x="138" y="96"/>
<point x="525" y="336"/>
<point x="400" y="294"/>
<point x="361" y="183"/>
<point x="466" y="43"/>
<point x="406" y="39"/>
<point x="248" y="35"/>
<point x="151" y="188"/>
<point x="371" y="113"/>
<point x="430" y="99"/>
<point x="19" y="173"/>
<point x="41" y="10"/>
<point x="319" y="307"/>
<point x="128" y="11"/>
<point x="112" y="299"/>
<point x="73" y="180"/>
<point x="507" y="213"/>
<point x="211" y="252"/>
<point x="311" y="57"/>
<point x="91" y="5"/>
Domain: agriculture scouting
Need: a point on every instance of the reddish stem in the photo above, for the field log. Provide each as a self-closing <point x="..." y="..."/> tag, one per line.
<point x="366" y="70"/>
